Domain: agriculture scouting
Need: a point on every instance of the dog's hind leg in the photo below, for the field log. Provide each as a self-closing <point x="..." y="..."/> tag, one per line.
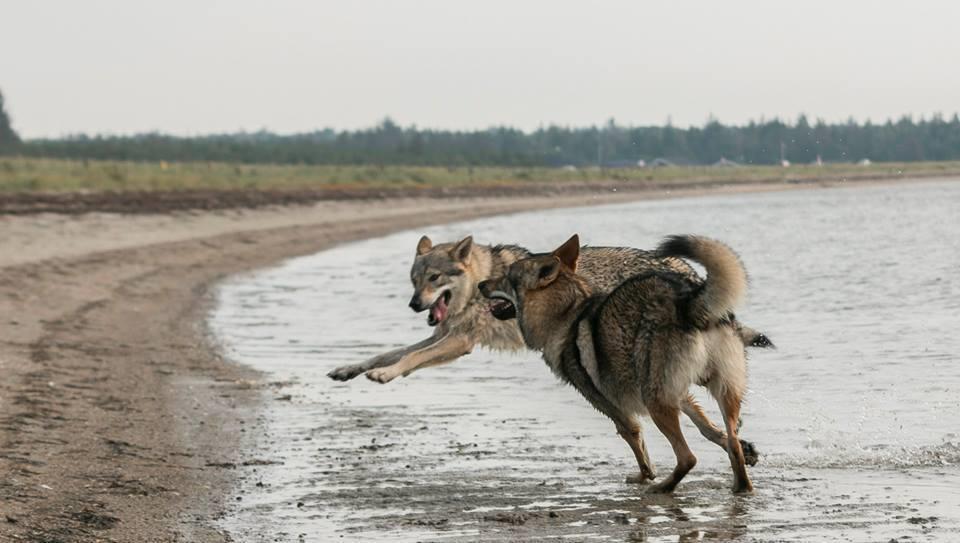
<point x="667" y="419"/>
<point x="631" y="432"/>
<point x="729" y="401"/>
<point x="709" y="430"/>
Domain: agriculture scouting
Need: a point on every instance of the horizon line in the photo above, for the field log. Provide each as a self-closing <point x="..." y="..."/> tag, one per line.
<point x="609" y="123"/>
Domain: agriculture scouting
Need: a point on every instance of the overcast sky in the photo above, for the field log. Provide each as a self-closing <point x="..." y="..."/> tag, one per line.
<point x="194" y="66"/>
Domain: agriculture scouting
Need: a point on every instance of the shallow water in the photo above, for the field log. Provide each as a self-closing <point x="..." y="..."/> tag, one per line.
<point x="856" y="413"/>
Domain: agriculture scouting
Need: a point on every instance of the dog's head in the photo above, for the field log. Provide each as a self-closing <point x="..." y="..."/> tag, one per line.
<point x="540" y="291"/>
<point x="441" y="280"/>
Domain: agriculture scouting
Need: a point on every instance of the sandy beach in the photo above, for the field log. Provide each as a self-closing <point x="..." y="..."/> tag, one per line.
<point x="119" y="419"/>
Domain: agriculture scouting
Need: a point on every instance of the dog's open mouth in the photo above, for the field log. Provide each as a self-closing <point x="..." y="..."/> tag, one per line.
<point x="438" y="311"/>
<point x="502" y="308"/>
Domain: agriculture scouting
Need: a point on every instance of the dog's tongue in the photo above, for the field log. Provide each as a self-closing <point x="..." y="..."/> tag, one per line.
<point x="439" y="309"/>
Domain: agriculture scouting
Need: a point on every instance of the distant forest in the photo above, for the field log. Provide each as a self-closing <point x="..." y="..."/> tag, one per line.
<point x="8" y="138"/>
<point x="388" y="143"/>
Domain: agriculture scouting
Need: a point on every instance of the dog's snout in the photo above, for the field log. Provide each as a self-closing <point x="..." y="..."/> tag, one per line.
<point x="415" y="304"/>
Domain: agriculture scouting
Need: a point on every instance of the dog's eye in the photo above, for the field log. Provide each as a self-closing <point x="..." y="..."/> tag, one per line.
<point x="434" y="277"/>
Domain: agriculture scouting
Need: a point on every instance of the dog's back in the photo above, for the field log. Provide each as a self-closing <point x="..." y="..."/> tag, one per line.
<point x="602" y="267"/>
<point x="657" y="332"/>
<point x="606" y="267"/>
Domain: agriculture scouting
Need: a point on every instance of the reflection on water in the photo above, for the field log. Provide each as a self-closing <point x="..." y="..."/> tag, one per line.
<point x="856" y="413"/>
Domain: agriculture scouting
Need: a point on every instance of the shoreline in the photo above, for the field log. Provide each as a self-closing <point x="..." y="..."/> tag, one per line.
<point x="136" y="200"/>
<point x="120" y="417"/>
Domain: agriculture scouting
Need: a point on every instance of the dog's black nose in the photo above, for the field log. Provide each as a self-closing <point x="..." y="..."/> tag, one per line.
<point x="415" y="304"/>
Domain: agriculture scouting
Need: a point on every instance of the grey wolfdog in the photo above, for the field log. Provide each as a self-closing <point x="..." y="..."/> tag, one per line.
<point x="445" y="278"/>
<point x="637" y="349"/>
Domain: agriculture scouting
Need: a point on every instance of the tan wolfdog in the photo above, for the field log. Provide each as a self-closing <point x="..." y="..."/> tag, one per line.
<point x="637" y="349"/>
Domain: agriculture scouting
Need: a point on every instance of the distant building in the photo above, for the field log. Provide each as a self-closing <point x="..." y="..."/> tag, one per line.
<point x="864" y="162"/>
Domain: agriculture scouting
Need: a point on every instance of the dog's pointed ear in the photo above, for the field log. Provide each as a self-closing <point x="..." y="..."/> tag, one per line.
<point x="424" y="245"/>
<point x="569" y="252"/>
<point x="461" y="252"/>
<point x="548" y="272"/>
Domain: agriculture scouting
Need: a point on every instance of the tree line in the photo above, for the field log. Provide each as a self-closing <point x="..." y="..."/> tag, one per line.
<point x="9" y="140"/>
<point x="763" y="142"/>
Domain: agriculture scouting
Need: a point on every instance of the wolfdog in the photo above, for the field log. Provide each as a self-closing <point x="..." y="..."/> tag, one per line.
<point x="445" y="278"/>
<point x="637" y="349"/>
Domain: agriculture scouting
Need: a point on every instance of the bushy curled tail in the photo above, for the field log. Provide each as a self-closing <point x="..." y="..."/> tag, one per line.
<point x="726" y="284"/>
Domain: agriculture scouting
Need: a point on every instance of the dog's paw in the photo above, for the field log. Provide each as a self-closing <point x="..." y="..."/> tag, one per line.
<point x="750" y="453"/>
<point x="639" y="478"/>
<point x="345" y="373"/>
<point x="663" y="487"/>
<point x="381" y="375"/>
<point x="743" y="488"/>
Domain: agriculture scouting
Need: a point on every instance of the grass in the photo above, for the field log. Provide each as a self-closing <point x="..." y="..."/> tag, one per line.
<point x="52" y="175"/>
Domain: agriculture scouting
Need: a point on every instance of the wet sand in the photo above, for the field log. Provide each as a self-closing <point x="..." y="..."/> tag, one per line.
<point x="118" y="419"/>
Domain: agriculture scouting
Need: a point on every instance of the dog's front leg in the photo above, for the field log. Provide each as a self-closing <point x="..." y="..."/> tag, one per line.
<point x="349" y="371"/>
<point x="447" y="349"/>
